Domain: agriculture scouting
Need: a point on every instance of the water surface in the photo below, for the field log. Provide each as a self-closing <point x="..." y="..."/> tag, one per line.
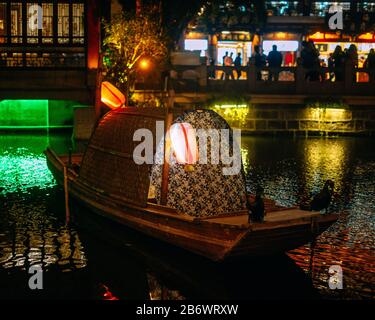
<point x="95" y="259"/>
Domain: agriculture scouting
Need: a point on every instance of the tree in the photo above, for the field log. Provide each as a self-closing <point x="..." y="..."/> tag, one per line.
<point x="130" y="39"/>
<point x="176" y="14"/>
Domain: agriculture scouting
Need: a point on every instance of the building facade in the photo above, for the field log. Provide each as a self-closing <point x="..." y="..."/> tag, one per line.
<point x="236" y="29"/>
<point x="49" y="53"/>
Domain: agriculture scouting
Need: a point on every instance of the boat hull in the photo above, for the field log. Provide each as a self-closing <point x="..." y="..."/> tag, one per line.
<point x="214" y="240"/>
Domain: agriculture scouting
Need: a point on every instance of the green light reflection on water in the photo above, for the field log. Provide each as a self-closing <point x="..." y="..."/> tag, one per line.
<point x="23" y="165"/>
<point x="21" y="170"/>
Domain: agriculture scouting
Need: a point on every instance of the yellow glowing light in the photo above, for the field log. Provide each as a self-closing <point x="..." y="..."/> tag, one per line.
<point x="280" y="35"/>
<point x="366" y="36"/>
<point x="329" y="114"/>
<point x="229" y="106"/>
<point x="144" y="64"/>
<point x="235" y="114"/>
<point x="317" y="35"/>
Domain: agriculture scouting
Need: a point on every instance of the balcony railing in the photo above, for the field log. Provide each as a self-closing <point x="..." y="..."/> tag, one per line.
<point x="283" y="80"/>
<point x="23" y="59"/>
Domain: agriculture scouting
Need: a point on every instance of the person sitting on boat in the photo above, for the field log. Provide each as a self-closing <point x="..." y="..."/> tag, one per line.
<point x="257" y="211"/>
<point x="323" y="199"/>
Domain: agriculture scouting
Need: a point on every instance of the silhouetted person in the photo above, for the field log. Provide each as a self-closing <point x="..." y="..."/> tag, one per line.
<point x="338" y="63"/>
<point x="238" y="64"/>
<point x="323" y="199"/>
<point x="228" y="63"/>
<point x="275" y="59"/>
<point x="331" y="66"/>
<point x="370" y="64"/>
<point x="352" y="56"/>
<point x="257" y="208"/>
<point x="224" y="58"/>
<point x="310" y="60"/>
<point x="260" y="61"/>
<point x="352" y="60"/>
<point x="211" y="73"/>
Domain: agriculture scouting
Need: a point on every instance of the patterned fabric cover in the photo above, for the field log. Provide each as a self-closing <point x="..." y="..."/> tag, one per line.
<point x="205" y="191"/>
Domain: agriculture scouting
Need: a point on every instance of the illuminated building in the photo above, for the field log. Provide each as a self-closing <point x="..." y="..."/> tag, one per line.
<point x="49" y="52"/>
<point x="287" y="24"/>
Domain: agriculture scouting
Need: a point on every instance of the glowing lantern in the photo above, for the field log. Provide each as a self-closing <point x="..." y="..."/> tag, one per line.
<point x="144" y="64"/>
<point x="111" y="96"/>
<point x="184" y="143"/>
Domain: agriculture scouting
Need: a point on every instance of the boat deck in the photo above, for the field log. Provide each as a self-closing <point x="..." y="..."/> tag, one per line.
<point x="274" y="216"/>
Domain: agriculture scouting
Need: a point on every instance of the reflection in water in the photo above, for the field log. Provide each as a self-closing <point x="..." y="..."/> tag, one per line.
<point x="295" y="170"/>
<point x="324" y="160"/>
<point x="22" y="170"/>
<point x="30" y="232"/>
<point x="87" y="260"/>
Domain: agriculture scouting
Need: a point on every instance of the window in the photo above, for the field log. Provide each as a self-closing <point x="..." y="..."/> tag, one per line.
<point x="3" y="22"/>
<point x="16" y="22"/>
<point x="63" y="23"/>
<point x="366" y="6"/>
<point x="283" y="8"/>
<point x="47" y="24"/>
<point x="197" y="44"/>
<point x="321" y="8"/>
<point x="78" y="23"/>
<point x="33" y="15"/>
<point x="29" y="30"/>
<point x="282" y="45"/>
<point x="38" y="22"/>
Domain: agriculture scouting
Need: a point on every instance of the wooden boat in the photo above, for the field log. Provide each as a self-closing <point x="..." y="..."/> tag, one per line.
<point x="126" y="201"/>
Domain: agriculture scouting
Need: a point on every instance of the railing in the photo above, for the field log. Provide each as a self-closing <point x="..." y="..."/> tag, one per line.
<point x="41" y="60"/>
<point x="297" y="80"/>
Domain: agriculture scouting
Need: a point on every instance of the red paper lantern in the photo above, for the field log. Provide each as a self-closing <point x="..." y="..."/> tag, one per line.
<point x="184" y="143"/>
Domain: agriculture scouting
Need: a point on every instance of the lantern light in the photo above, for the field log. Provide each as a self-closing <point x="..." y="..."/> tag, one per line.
<point x="144" y="64"/>
<point x="184" y="143"/>
<point x="111" y="96"/>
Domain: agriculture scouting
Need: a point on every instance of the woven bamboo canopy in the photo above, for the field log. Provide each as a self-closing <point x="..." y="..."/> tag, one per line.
<point x="109" y="167"/>
<point x="108" y="163"/>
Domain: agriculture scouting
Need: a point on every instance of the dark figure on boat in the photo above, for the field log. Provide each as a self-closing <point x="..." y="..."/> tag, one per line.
<point x="257" y="208"/>
<point x="323" y="199"/>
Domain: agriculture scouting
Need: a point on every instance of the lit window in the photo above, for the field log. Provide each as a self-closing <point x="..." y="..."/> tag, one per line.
<point x="282" y="8"/>
<point x="78" y="23"/>
<point x="47" y="30"/>
<point x="63" y="22"/>
<point x="32" y="22"/>
<point x="282" y="45"/>
<point x="16" y="22"/>
<point x="197" y="44"/>
<point x="321" y="8"/>
<point x="3" y="22"/>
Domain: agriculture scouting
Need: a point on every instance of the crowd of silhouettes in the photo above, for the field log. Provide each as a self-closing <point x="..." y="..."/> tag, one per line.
<point x="309" y="59"/>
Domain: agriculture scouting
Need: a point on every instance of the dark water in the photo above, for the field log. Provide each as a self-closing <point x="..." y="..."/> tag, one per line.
<point x="92" y="258"/>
